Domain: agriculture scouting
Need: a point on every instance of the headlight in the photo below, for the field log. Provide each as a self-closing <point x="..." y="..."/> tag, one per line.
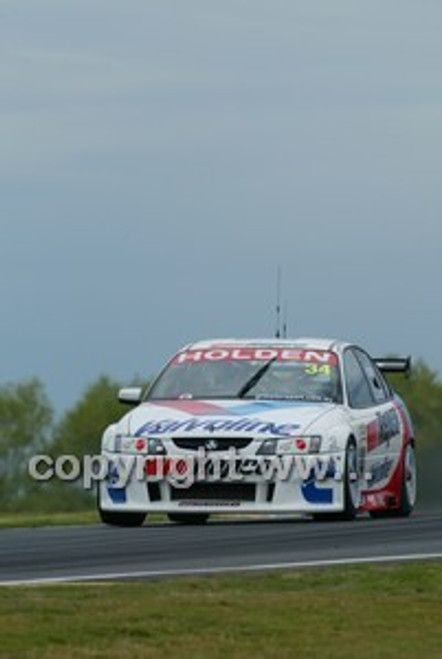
<point x="300" y="444"/>
<point x="143" y="445"/>
<point x="268" y="447"/>
<point x="314" y="443"/>
<point x="155" y="446"/>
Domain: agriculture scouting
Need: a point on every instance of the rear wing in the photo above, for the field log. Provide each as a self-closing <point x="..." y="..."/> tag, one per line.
<point x="394" y="364"/>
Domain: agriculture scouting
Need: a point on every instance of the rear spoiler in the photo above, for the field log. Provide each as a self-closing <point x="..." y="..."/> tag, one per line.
<point x="394" y="364"/>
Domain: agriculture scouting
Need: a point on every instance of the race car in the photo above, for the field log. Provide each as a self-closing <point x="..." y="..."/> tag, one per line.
<point x="278" y="426"/>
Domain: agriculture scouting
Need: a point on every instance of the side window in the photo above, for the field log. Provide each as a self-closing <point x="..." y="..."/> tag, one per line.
<point x="377" y="384"/>
<point x="358" y="389"/>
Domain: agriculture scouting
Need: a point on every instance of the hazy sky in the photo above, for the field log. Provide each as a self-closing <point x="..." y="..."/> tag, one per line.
<point x="159" y="160"/>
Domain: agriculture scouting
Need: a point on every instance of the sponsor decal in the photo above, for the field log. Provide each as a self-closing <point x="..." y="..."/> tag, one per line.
<point x="375" y="501"/>
<point x="309" y="489"/>
<point x="379" y="471"/>
<point x="372" y="436"/>
<point x="300" y="444"/>
<point x="214" y="503"/>
<point x="382" y="429"/>
<point x="314" y="494"/>
<point x="141" y="444"/>
<point x="256" y="354"/>
<point x="116" y="493"/>
<point x="216" y="424"/>
<point x="389" y="425"/>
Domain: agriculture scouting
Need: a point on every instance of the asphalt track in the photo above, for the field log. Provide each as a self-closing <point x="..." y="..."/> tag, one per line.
<point x="51" y="554"/>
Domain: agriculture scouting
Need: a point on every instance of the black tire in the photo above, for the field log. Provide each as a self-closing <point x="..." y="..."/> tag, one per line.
<point x="408" y="488"/>
<point x="350" y="506"/>
<point x="121" y="519"/>
<point x="189" y="518"/>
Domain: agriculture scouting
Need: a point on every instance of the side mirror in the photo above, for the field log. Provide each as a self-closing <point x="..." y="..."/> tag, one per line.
<point x="130" y="395"/>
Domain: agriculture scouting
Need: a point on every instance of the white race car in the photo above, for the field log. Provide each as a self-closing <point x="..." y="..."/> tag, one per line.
<point x="280" y="426"/>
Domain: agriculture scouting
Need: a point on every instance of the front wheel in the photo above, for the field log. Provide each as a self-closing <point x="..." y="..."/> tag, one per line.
<point x="121" y="519"/>
<point x="188" y="518"/>
<point x="351" y="488"/>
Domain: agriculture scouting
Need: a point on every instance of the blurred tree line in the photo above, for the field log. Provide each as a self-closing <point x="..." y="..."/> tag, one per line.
<point x="422" y="392"/>
<point x="28" y="427"/>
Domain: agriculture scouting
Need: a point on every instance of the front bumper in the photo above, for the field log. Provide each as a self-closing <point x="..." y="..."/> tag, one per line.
<point x="298" y="490"/>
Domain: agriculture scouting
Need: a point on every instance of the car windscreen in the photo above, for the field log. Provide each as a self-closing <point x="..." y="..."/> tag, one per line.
<point x="270" y="373"/>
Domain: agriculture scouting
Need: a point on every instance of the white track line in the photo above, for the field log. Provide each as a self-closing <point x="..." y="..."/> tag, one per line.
<point x="146" y="574"/>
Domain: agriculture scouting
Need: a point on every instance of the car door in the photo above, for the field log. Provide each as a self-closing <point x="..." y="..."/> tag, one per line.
<point x="383" y="436"/>
<point x="360" y="404"/>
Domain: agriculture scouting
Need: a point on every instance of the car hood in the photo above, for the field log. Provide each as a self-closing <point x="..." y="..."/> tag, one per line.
<point x="260" y="418"/>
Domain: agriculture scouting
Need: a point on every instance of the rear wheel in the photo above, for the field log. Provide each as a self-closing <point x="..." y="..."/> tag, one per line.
<point x="408" y="488"/>
<point x="188" y="518"/>
<point x="121" y="519"/>
<point x="351" y="488"/>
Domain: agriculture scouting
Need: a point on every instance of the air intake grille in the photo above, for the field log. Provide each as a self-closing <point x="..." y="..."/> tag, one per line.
<point x="212" y="443"/>
<point x="215" y="492"/>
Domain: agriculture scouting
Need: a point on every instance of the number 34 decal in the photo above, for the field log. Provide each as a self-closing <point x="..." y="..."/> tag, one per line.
<point x="318" y="369"/>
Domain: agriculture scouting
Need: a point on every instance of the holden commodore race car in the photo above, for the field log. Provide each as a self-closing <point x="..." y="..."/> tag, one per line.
<point x="307" y="426"/>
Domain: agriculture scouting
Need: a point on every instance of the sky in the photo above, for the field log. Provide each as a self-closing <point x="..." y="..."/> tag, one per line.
<point x="159" y="161"/>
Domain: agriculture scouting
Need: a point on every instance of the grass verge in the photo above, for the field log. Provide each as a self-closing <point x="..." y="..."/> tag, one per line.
<point x="9" y="520"/>
<point x="363" y="611"/>
<point x="77" y="518"/>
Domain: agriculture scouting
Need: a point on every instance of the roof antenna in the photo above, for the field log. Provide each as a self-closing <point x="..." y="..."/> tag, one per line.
<point x="284" y="320"/>
<point x="278" y="303"/>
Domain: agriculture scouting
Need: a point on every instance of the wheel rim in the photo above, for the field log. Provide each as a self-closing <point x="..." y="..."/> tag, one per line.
<point x="410" y="474"/>
<point x="352" y="475"/>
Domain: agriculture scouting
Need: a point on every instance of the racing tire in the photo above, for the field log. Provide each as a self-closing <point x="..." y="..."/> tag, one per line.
<point x="408" y="488"/>
<point x="121" y="519"/>
<point x="351" y="489"/>
<point x="188" y="518"/>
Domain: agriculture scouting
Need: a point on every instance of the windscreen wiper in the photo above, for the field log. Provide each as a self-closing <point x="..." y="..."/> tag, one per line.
<point x="255" y="378"/>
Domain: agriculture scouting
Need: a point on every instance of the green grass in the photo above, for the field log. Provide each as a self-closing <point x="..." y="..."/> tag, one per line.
<point x="368" y="612"/>
<point x="74" y="518"/>
<point x="8" y="520"/>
